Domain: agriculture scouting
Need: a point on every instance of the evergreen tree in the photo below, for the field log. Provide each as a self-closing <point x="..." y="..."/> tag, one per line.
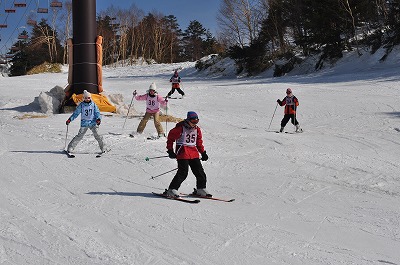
<point x="211" y="45"/>
<point x="20" y="63"/>
<point x="106" y="29"/>
<point x="393" y="22"/>
<point x="192" y="40"/>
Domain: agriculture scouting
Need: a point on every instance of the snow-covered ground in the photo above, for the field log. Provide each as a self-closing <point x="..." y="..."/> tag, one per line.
<point x="330" y="195"/>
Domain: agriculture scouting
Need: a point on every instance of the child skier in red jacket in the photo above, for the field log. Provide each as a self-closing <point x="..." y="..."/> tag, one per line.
<point x="189" y="143"/>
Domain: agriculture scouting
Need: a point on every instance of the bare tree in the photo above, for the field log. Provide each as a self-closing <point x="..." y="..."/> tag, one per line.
<point x="141" y="40"/>
<point x="159" y="37"/>
<point x="52" y="39"/>
<point x="151" y="37"/>
<point x="43" y="34"/>
<point x="66" y="19"/>
<point x="135" y="15"/>
<point x="346" y="6"/>
<point x="239" y="21"/>
<point x="231" y="30"/>
<point x="124" y="24"/>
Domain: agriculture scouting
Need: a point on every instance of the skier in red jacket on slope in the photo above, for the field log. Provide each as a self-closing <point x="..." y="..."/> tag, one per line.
<point x="175" y="80"/>
<point x="189" y="143"/>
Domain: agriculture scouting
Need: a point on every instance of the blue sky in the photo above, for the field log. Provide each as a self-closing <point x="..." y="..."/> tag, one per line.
<point x="204" y="11"/>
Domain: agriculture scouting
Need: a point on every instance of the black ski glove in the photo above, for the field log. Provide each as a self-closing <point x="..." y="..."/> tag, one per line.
<point x="171" y="154"/>
<point x="98" y="121"/>
<point x="204" y="156"/>
<point x="68" y="122"/>
<point x="279" y="102"/>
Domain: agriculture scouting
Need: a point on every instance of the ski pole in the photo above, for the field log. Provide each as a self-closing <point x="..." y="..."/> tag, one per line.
<point x="134" y="94"/>
<point x="166" y="116"/>
<point x="273" y="116"/>
<point x="148" y="158"/>
<point x="294" y="114"/>
<point x="164" y="173"/>
<point x="66" y="137"/>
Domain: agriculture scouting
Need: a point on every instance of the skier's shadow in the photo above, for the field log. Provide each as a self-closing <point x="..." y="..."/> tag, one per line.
<point x="130" y="194"/>
<point x="394" y="114"/>
<point x="39" y="152"/>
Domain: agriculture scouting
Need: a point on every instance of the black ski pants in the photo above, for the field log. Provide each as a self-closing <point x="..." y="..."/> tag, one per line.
<point x="173" y="91"/>
<point x="183" y="170"/>
<point x="288" y="117"/>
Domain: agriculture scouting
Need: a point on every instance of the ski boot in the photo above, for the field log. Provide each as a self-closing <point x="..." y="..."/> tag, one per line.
<point x="201" y="193"/>
<point x="298" y="129"/>
<point x="171" y="193"/>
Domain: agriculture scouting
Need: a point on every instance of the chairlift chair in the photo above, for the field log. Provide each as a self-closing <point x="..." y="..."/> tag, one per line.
<point x="3" y="26"/>
<point x="31" y="22"/>
<point x="22" y="37"/>
<point x="20" y="4"/>
<point x="42" y="10"/>
<point x="55" y="4"/>
<point x="10" y="10"/>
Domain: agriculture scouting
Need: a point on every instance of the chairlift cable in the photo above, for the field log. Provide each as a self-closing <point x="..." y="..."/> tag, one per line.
<point x="16" y="27"/>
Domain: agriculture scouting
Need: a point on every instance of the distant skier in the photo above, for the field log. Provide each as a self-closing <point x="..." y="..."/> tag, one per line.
<point x="290" y="102"/>
<point x="175" y="80"/>
<point x="153" y="104"/>
<point x="90" y="119"/>
<point x="189" y="143"/>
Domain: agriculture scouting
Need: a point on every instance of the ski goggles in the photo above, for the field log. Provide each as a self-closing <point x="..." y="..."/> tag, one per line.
<point x="194" y="120"/>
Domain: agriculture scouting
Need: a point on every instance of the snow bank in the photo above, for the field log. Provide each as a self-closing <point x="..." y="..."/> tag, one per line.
<point x="215" y="66"/>
<point x="50" y="102"/>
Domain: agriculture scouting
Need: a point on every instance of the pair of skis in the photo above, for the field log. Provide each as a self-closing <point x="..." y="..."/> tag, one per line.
<point x="291" y="132"/>
<point x="184" y="198"/>
<point x="152" y="137"/>
<point x="70" y="155"/>
<point x="175" y="98"/>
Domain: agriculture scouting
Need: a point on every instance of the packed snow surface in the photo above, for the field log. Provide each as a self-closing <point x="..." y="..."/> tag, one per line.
<point x="329" y="195"/>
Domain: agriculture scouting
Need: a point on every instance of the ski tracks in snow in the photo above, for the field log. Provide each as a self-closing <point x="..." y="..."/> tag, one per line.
<point x="3" y="143"/>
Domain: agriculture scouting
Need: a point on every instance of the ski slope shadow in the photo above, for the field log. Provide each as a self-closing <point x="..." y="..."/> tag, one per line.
<point x="39" y="152"/>
<point x="394" y="114"/>
<point x="31" y="107"/>
<point x="118" y="193"/>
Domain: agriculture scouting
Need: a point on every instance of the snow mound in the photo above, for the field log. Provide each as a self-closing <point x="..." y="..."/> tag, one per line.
<point x="50" y="102"/>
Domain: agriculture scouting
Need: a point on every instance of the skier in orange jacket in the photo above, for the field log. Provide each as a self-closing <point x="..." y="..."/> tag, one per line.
<point x="290" y="102"/>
